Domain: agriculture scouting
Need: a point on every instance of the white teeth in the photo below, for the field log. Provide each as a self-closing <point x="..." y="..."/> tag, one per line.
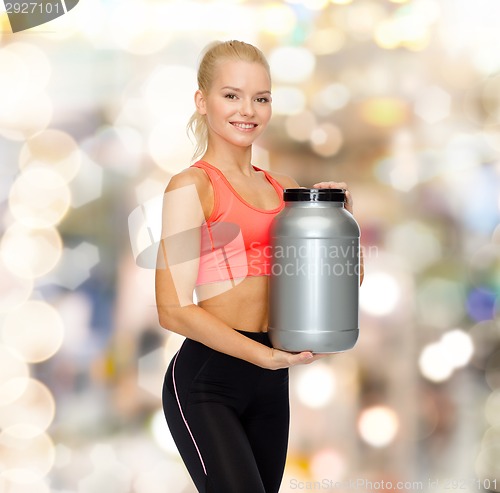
<point x="244" y="125"/>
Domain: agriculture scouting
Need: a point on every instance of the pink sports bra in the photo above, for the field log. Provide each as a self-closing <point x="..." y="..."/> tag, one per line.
<point x="235" y="240"/>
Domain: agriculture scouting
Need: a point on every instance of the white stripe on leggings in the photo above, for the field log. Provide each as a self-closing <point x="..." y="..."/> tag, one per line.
<point x="182" y="414"/>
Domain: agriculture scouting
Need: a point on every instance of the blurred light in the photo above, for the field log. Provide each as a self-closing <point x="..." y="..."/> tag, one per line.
<point x="14" y="373"/>
<point x="108" y="474"/>
<point x="315" y="385"/>
<point x="435" y="363"/>
<point x="37" y="486"/>
<point x="148" y="189"/>
<point x="326" y="139"/>
<point x="31" y="413"/>
<point x="154" y="478"/>
<point x="278" y="19"/>
<point x="134" y="113"/>
<point x="30" y="253"/>
<point x="378" y="425"/>
<point x="485" y="337"/>
<point x="161" y="433"/>
<point x="417" y="242"/>
<point x="14" y="290"/>
<point x="386" y="35"/>
<point x="131" y="139"/>
<point x="490" y="99"/>
<point x="26" y="117"/>
<point x="34" y="330"/>
<point x="492" y="370"/>
<point x="492" y="408"/>
<point x="14" y="80"/>
<point x="440" y="302"/>
<point x="291" y="64"/>
<point x="433" y="104"/>
<point x="384" y="112"/>
<point x="495" y="236"/>
<point x="332" y="97"/>
<point x="25" y="73"/>
<point x="172" y="345"/>
<point x="405" y="168"/>
<point x="54" y="149"/>
<point x="484" y="267"/>
<point x="108" y="147"/>
<point x="341" y="2"/>
<point x="92" y="21"/>
<point x="362" y="19"/>
<point x="487" y="465"/>
<point x="408" y="27"/>
<point x="300" y="126"/>
<point x="76" y="310"/>
<point x="37" y="64"/>
<point x="459" y="346"/>
<point x="311" y="4"/>
<point x="326" y="41"/>
<point x="168" y="93"/>
<point x="137" y="28"/>
<point x="288" y="100"/>
<point x="26" y="460"/>
<point x="151" y="371"/>
<point x="87" y="185"/>
<point x="39" y="198"/>
<point x="171" y="153"/>
<point x="380" y="294"/>
<point x="328" y="463"/>
<point x="481" y="304"/>
<point x="75" y="265"/>
<point x="64" y="456"/>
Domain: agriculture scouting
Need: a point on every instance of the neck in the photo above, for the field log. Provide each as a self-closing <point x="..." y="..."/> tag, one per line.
<point x="230" y="159"/>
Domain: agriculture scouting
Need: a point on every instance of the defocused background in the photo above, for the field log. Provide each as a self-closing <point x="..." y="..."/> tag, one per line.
<point x="399" y="98"/>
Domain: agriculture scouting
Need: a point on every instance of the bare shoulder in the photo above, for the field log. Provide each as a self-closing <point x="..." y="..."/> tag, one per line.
<point x="197" y="177"/>
<point x="284" y="180"/>
<point x="189" y="176"/>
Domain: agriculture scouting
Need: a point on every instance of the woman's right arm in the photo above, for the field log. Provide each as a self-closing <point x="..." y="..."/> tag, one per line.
<point x="185" y="205"/>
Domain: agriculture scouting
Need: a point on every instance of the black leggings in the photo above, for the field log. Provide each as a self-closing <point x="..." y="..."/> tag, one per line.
<point x="229" y="419"/>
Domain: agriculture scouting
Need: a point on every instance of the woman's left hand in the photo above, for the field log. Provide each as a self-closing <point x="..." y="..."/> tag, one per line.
<point x="338" y="184"/>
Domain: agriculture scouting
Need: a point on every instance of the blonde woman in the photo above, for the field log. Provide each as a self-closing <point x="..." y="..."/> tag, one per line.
<point x="226" y="390"/>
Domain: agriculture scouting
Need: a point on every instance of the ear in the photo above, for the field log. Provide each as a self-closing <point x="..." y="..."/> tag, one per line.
<point x="200" y="102"/>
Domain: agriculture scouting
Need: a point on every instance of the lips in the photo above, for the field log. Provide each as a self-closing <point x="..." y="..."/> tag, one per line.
<point x="244" y="126"/>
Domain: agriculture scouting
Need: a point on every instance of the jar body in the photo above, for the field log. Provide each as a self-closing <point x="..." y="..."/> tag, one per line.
<point x="314" y="282"/>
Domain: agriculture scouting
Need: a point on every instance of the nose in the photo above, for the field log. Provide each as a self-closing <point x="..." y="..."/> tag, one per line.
<point x="246" y="108"/>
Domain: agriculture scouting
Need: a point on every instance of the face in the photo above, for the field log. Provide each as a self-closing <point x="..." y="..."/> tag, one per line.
<point x="238" y="105"/>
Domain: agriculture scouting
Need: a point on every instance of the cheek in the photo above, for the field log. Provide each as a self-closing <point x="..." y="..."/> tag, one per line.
<point x="266" y="113"/>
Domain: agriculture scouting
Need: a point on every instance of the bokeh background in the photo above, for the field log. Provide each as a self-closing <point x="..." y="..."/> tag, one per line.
<point x="399" y="98"/>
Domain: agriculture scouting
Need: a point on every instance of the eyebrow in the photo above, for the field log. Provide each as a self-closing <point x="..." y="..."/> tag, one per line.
<point x="235" y="89"/>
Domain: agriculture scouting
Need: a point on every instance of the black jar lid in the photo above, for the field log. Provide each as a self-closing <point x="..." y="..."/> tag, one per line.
<point x="314" y="195"/>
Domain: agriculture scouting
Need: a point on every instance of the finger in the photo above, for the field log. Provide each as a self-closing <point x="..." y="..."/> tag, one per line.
<point x="301" y="358"/>
<point x="331" y="184"/>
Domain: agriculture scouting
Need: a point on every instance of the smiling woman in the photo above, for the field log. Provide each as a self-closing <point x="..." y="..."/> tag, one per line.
<point x="221" y="65"/>
<point x="225" y="395"/>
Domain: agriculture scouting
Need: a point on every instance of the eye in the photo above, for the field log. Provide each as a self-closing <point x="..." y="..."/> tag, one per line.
<point x="263" y="100"/>
<point x="230" y="96"/>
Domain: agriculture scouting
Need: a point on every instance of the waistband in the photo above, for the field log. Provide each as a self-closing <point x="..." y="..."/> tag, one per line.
<point x="262" y="337"/>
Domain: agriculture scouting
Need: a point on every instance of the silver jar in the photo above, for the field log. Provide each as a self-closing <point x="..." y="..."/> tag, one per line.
<point x="314" y="282"/>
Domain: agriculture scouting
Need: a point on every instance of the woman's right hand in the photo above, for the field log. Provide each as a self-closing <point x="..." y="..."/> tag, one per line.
<point x="282" y="359"/>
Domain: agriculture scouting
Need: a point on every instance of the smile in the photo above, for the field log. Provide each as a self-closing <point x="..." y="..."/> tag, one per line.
<point x="244" y="126"/>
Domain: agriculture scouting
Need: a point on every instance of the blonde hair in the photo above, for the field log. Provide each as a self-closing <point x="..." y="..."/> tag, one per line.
<point x="213" y="54"/>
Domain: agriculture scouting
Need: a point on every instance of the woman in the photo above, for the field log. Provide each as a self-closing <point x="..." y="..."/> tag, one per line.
<point x="226" y="391"/>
